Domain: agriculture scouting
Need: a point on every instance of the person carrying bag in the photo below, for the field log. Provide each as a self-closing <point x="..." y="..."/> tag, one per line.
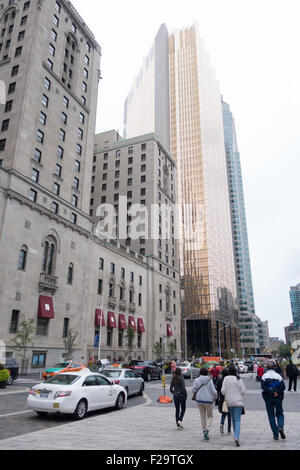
<point x="204" y="393"/>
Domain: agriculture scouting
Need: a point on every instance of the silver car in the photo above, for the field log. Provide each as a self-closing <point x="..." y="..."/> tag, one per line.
<point x="133" y="384"/>
<point x="189" y="370"/>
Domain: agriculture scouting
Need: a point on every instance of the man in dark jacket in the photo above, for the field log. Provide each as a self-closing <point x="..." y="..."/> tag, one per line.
<point x="273" y="387"/>
<point x="292" y="374"/>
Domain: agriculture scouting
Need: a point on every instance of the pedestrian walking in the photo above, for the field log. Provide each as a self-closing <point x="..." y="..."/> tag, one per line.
<point x="255" y="367"/>
<point x="173" y="366"/>
<point x="260" y="372"/>
<point x="273" y="386"/>
<point x="278" y="369"/>
<point x="233" y="388"/>
<point x="222" y="404"/>
<point x="205" y="396"/>
<point x="177" y="388"/>
<point x="214" y="371"/>
<point x="292" y="374"/>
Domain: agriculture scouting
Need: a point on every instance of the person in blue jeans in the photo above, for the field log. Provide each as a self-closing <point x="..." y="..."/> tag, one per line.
<point x="233" y="388"/>
<point x="221" y="400"/>
<point x="177" y="388"/>
<point x="273" y="387"/>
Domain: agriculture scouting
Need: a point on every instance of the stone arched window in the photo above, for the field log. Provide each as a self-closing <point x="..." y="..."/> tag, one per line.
<point x="69" y="72"/>
<point x="50" y="255"/>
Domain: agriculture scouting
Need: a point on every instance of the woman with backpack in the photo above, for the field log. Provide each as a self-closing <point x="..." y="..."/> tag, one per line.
<point x="233" y="389"/>
<point x="177" y="388"/>
<point x="205" y="394"/>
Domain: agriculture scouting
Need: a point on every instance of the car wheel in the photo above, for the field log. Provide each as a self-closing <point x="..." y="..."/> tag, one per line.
<point x="142" y="387"/>
<point x="10" y="380"/>
<point x="81" y="409"/>
<point x="148" y="377"/>
<point x="41" y="413"/>
<point x="120" y="401"/>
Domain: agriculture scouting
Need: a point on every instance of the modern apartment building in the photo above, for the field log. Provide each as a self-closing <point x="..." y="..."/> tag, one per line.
<point x="197" y="146"/>
<point x="53" y="267"/>
<point x="250" y="338"/>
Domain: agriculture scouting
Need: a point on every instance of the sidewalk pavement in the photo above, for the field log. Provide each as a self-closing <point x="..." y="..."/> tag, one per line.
<point x="147" y="427"/>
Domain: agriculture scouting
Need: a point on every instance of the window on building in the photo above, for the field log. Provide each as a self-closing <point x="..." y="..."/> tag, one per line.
<point x="70" y="273"/>
<point x="32" y="195"/>
<point x="14" y="321"/>
<point x="22" y="258"/>
<point x="65" y="327"/>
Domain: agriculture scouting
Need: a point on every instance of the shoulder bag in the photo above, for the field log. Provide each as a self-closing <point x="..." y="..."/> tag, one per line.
<point x="195" y="393"/>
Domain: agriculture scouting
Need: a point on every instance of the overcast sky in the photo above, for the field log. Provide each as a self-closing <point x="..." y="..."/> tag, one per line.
<point x="255" y="50"/>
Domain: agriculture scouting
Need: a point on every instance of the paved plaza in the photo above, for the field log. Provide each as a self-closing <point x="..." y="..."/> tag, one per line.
<point x="149" y="427"/>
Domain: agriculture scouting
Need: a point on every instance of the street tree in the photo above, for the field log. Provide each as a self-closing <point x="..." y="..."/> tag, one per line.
<point x="69" y="343"/>
<point x="23" y="339"/>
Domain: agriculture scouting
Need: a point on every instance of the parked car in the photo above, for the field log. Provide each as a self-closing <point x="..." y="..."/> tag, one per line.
<point x="127" y="378"/>
<point x="243" y="368"/>
<point x="13" y="368"/>
<point x="67" y="366"/>
<point x="188" y="369"/>
<point x="75" y="393"/>
<point x="250" y="365"/>
<point x="146" y="369"/>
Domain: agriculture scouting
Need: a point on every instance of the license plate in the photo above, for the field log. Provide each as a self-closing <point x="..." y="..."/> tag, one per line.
<point x="55" y="405"/>
<point x="44" y="395"/>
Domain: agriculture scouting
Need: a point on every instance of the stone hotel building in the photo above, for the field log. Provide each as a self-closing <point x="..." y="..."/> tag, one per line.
<point x="53" y="266"/>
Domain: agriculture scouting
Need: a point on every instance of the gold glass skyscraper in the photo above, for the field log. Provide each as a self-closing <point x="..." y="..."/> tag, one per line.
<point x="206" y="249"/>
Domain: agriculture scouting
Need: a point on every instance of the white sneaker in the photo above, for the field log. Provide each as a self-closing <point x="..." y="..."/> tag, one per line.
<point x="180" y="425"/>
<point x="221" y="429"/>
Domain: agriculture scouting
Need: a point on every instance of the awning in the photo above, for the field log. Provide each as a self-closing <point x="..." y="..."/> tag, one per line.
<point x="122" y="322"/>
<point x="140" y="324"/>
<point x="111" y="321"/>
<point x="131" y="322"/>
<point x="169" y="330"/>
<point x="99" y="314"/>
<point x="46" y="309"/>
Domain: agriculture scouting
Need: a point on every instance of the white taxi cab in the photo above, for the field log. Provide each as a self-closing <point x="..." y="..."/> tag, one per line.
<point x="76" y="393"/>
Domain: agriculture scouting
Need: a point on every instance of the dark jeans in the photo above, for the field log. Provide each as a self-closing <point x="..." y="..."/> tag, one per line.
<point x="180" y="407"/>
<point x="292" y="382"/>
<point x="275" y="412"/>
<point x="223" y="417"/>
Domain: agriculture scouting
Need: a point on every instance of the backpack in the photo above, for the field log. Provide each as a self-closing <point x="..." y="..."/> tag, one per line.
<point x="273" y="386"/>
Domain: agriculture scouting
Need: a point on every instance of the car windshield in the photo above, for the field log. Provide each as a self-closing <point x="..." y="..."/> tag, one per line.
<point x="63" y="379"/>
<point x="136" y="362"/>
<point x="111" y="373"/>
<point x="60" y="365"/>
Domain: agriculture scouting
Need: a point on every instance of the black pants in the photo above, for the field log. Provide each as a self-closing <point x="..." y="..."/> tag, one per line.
<point x="292" y="381"/>
<point x="180" y="407"/>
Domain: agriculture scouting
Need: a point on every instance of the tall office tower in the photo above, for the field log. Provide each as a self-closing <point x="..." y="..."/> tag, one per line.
<point x="250" y="341"/>
<point x="197" y="146"/>
<point x="147" y="106"/>
<point x="295" y="305"/>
